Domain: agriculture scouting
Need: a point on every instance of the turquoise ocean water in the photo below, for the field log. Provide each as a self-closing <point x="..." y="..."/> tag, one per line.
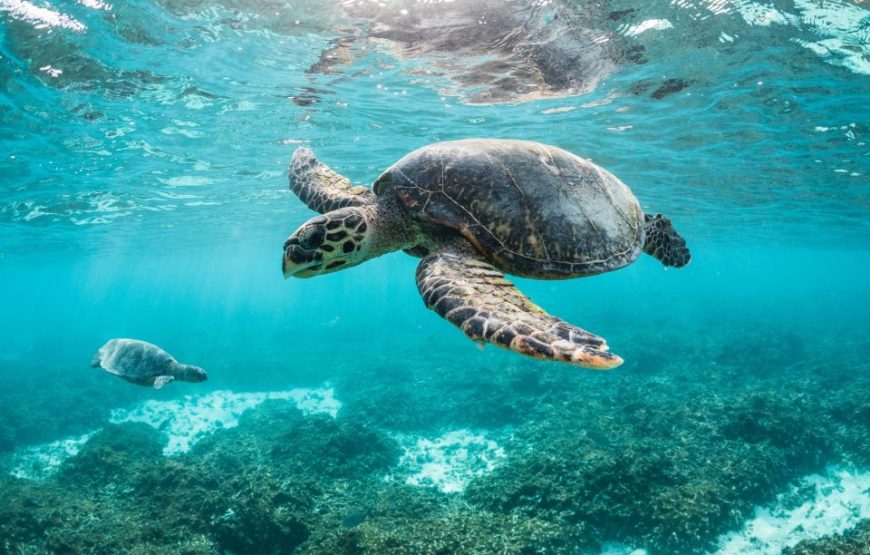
<point x="143" y="164"/>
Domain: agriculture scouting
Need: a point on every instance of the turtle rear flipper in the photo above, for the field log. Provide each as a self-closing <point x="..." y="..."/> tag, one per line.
<point x="322" y="189"/>
<point x="475" y="297"/>
<point x="664" y="243"/>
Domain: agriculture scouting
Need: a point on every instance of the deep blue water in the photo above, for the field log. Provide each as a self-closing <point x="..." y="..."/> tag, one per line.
<point x="144" y="147"/>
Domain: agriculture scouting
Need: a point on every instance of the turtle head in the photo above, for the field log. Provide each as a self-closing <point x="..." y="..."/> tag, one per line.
<point x="328" y="243"/>
<point x="191" y="373"/>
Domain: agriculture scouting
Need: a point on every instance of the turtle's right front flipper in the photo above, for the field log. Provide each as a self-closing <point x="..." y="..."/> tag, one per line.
<point x="322" y="189"/>
<point x="474" y="296"/>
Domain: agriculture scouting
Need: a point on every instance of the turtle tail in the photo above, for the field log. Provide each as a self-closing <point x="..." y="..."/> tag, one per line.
<point x="664" y="243"/>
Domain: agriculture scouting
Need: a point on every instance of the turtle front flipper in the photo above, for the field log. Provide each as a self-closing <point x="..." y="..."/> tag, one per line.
<point x="664" y="243"/>
<point x="322" y="189"/>
<point x="474" y="296"/>
<point x="160" y="381"/>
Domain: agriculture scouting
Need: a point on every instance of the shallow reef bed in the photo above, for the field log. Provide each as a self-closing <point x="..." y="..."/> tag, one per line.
<point x="852" y="542"/>
<point x="431" y="459"/>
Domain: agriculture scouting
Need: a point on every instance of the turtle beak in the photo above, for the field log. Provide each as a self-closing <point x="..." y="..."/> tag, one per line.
<point x="300" y="270"/>
<point x="287" y="268"/>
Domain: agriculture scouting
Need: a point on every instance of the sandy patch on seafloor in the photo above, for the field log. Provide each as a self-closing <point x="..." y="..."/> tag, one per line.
<point x="447" y="462"/>
<point x="815" y="506"/>
<point x="38" y="462"/>
<point x="185" y="422"/>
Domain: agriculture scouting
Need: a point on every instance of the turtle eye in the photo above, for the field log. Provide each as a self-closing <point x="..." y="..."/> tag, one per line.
<point x="312" y="237"/>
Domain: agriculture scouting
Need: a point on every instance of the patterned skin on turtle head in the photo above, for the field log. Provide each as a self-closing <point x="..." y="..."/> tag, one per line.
<point x="327" y="243"/>
<point x="190" y="373"/>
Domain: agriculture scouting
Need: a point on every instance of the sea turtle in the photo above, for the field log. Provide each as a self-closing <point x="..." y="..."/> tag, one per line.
<point x="473" y="209"/>
<point x="143" y="363"/>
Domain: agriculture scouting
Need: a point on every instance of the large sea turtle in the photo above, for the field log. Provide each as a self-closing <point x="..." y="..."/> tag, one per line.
<point x="473" y="209"/>
<point x="144" y="363"/>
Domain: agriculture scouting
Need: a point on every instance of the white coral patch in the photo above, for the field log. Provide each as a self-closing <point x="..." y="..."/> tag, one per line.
<point x="41" y="461"/>
<point x="186" y="421"/>
<point x="621" y="549"/>
<point x="315" y="401"/>
<point x="814" y="507"/>
<point x="817" y="506"/>
<point x="450" y="461"/>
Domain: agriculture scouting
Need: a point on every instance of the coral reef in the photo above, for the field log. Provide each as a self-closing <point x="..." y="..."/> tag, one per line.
<point x="251" y="489"/>
<point x="41" y="404"/>
<point x="668" y="472"/>
<point x="671" y="461"/>
<point x="851" y="542"/>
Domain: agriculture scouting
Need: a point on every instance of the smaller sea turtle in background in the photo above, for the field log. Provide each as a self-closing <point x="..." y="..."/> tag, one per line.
<point x="471" y="210"/>
<point x="143" y="363"/>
